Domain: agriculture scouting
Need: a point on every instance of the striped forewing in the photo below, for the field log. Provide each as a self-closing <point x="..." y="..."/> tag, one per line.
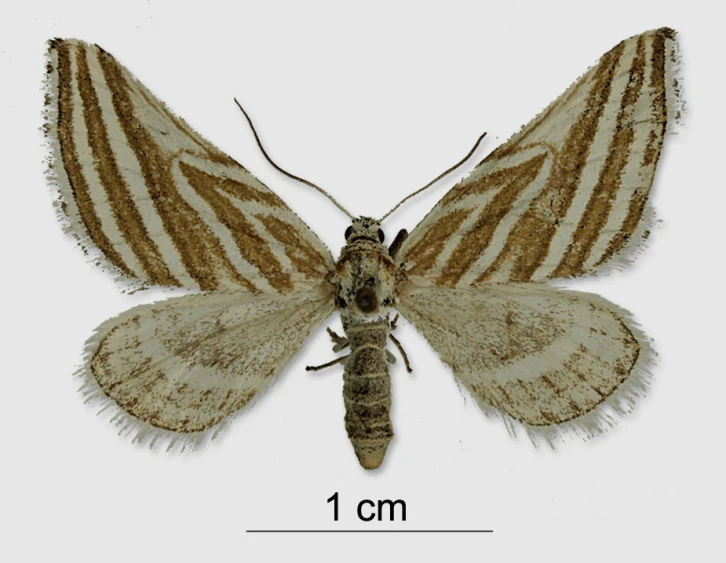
<point x="567" y="194"/>
<point x="162" y="204"/>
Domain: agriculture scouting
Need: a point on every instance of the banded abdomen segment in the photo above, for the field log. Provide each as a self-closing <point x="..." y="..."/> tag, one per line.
<point x="367" y="392"/>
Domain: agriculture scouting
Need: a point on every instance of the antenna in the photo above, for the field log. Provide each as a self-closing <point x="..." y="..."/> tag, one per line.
<point x="285" y="172"/>
<point x="432" y="182"/>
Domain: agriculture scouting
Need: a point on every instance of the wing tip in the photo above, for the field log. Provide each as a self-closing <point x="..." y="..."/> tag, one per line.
<point x="665" y="32"/>
<point x="675" y="101"/>
<point x="55" y="43"/>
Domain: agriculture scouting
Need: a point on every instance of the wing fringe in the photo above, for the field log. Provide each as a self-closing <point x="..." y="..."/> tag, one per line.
<point x="675" y="91"/>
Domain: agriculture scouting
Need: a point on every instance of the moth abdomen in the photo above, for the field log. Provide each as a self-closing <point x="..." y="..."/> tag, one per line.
<point x="367" y="392"/>
<point x="367" y="419"/>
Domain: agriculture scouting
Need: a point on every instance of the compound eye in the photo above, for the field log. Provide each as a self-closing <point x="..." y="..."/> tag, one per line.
<point x="381" y="235"/>
<point x="348" y="232"/>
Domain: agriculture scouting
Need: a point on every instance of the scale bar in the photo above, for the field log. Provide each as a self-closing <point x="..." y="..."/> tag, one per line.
<point x="370" y="531"/>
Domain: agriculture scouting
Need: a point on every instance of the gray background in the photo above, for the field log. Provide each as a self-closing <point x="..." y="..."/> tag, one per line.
<point x="369" y="100"/>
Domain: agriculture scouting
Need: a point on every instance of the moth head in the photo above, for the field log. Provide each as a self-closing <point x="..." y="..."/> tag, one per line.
<point x="365" y="228"/>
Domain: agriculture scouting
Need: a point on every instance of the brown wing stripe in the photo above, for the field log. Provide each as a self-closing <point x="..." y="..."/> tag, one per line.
<point x="234" y="188"/>
<point x="528" y="243"/>
<point x="200" y="250"/>
<point x="69" y="155"/>
<point x="609" y="182"/>
<point x="659" y="111"/>
<point x="303" y="256"/>
<point x="659" y="108"/>
<point x="510" y="182"/>
<point x="252" y="247"/>
<point x="125" y="211"/>
<point x="425" y="252"/>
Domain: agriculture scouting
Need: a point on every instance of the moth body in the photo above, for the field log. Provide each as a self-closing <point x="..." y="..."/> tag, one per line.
<point x="364" y="280"/>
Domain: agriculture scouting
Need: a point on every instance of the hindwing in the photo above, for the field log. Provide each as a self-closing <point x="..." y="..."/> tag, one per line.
<point x="539" y="355"/>
<point x="185" y="364"/>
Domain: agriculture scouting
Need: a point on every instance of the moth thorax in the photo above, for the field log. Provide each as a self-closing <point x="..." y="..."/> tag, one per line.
<point x="365" y="276"/>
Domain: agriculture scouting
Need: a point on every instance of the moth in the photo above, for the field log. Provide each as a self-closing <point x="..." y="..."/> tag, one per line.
<point x="159" y="205"/>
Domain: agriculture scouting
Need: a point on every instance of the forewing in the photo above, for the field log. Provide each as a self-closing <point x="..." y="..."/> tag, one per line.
<point x="566" y="195"/>
<point x="162" y="204"/>
<point x="187" y="363"/>
<point x="540" y="355"/>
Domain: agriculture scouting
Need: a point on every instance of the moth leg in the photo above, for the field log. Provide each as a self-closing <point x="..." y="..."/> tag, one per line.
<point x="339" y="341"/>
<point x="390" y="357"/>
<point x="318" y="368"/>
<point x="403" y="353"/>
<point x="394" y="322"/>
